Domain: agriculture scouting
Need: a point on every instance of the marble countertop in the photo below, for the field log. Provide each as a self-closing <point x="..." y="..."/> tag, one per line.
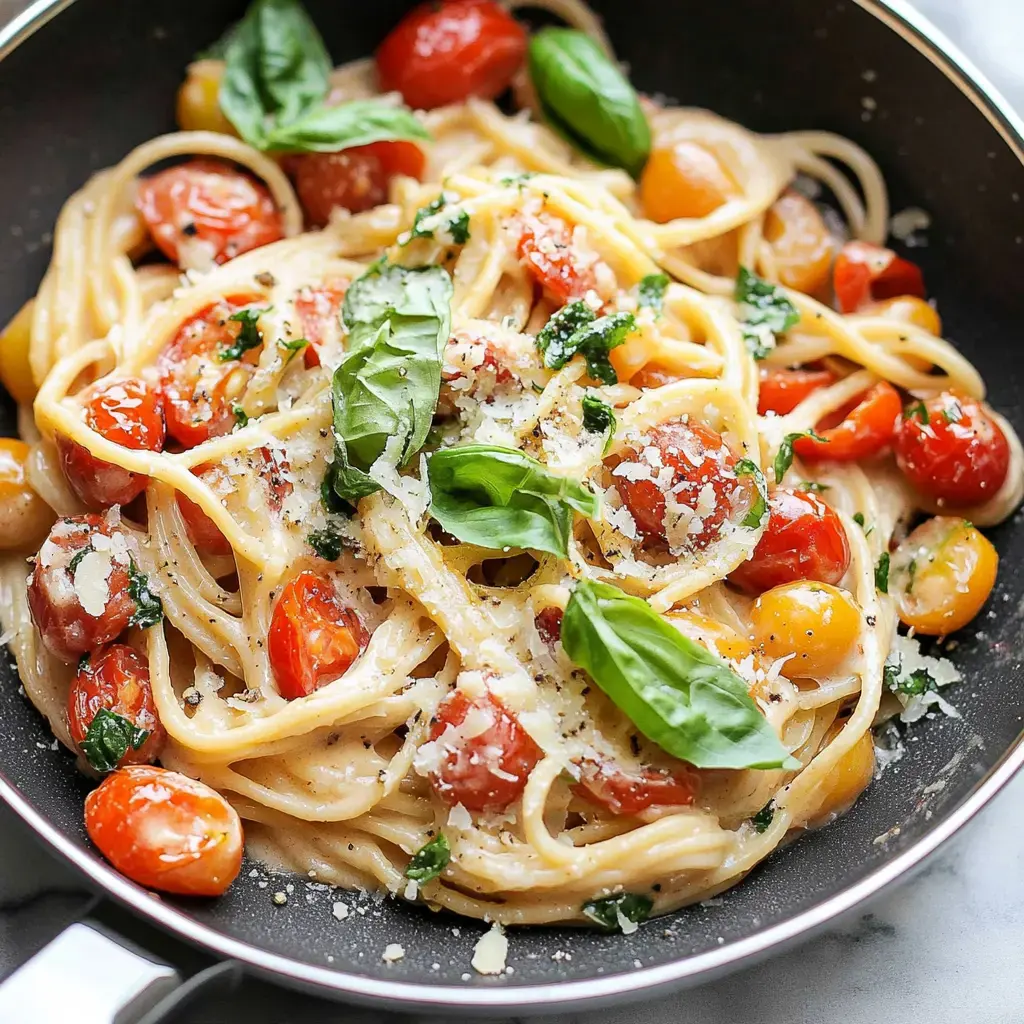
<point x="945" y="948"/>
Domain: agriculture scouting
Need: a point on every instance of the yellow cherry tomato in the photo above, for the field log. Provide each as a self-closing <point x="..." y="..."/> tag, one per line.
<point x="717" y="637"/>
<point x="15" y="370"/>
<point x="800" y="243"/>
<point x="684" y="180"/>
<point x="942" y="574"/>
<point x="911" y="310"/>
<point x="847" y="780"/>
<point x="25" y="518"/>
<point x="815" y="622"/>
<point x="198" y="107"/>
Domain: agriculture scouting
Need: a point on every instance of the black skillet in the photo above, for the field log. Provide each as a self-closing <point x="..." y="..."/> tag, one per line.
<point x="100" y="77"/>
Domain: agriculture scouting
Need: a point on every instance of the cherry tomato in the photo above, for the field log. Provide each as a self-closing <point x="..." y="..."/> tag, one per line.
<point x="313" y="637"/>
<point x="545" y="249"/>
<point x="549" y="625"/>
<point x="684" y="180"/>
<point x="911" y="310"/>
<point x="274" y="471"/>
<point x="202" y="531"/>
<point x="804" y="540"/>
<point x="849" y="777"/>
<point x="319" y="311"/>
<point x="199" y="386"/>
<point x="79" y="609"/>
<point x="949" y="448"/>
<point x="354" y="179"/>
<point x="128" y="412"/>
<point x="165" y="831"/>
<point x="487" y="769"/>
<point x="653" y="376"/>
<point x="866" y="272"/>
<point x="864" y="431"/>
<point x="116" y="678"/>
<point x="622" y="792"/>
<point x="442" y="53"/>
<point x="781" y="391"/>
<point x="210" y="208"/>
<point x="24" y="517"/>
<point x="702" y="480"/>
<point x="800" y="242"/>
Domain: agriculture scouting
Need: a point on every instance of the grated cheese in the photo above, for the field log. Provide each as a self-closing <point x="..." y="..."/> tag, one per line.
<point x="91" y="581"/>
<point x="491" y="951"/>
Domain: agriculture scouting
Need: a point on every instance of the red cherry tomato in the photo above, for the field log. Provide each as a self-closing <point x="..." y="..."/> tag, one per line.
<point x="319" y="311"/>
<point x="949" y="448"/>
<point x="868" y="273"/>
<point x="703" y="480"/>
<point x="549" y="625"/>
<point x="202" y="531"/>
<point x="199" y="386"/>
<point x="78" y="610"/>
<point x="864" y="432"/>
<point x="313" y="637"/>
<point x="129" y="413"/>
<point x="165" y="831"/>
<point x="274" y="471"/>
<point x="443" y="53"/>
<point x="488" y="770"/>
<point x="781" y="391"/>
<point x="545" y="249"/>
<point x="622" y="792"/>
<point x="116" y="678"/>
<point x="354" y="179"/>
<point x="804" y="540"/>
<point x="208" y="206"/>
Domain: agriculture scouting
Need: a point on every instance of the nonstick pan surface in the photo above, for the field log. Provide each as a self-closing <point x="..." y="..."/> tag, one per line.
<point x="100" y="77"/>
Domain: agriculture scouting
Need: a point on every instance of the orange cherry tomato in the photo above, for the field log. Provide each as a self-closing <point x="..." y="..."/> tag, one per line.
<point x="488" y="770"/>
<point x="684" y="180"/>
<point x="654" y="376"/>
<point x="77" y="610"/>
<point x="622" y="792"/>
<point x="128" y="412"/>
<point x="865" y="273"/>
<point x="165" y="831"/>
<point x="800" y="242"/>
<point x="703" y="480"/>
<point x="319" y="311"/>
<point x="208" y="206"/>
<point x="949" y="448"/>
<point x="864" y="432"/>
<point x="25" y="518"/>
<point x="781" y="391"/>
<point x="442" y="53"/>
<point x="117" y="679"/>
<point x="545" y="249"/>
<point x="804" y="540"/>
<point x="313" y="637"/>
<point x="354" y="179"/>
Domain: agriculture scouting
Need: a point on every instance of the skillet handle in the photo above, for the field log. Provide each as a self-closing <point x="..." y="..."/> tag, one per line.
<point x="87" y="976"/>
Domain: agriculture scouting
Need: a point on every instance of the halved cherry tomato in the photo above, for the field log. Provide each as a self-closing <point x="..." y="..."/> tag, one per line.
<point x="207" y="211"/>
<point x="864" y="273"/>
<point x="202" y="531"/>
<point x="199" y="385"/>
<point x="354" y="179"/>
<point x="313" y="637"/>
<point x="864" y="432"/>
<point x="318" y="309"/>
<point x="165" y="830"/>
<point x="78" y="609"/>
<point x="800" y="242"/>
<point x="781" y="391"/>
<point x="549" y="625"/>
<point x="622" y="792"/>
<point x="703" y="480"/>
<point x="117" y="679"/>
<point x="684" y="180"/>
<point x="545" y="248"/>
<point x="949" y="448"/>
<point x="804" y="540"/>
<point x="442" y="53"/>
<point x="128" y="412"/>
<point x="488" y="768"/>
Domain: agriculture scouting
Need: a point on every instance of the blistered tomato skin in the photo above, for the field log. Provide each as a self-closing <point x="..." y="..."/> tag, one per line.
<point x="165" y="831"/>
<point x="488" y="770"/>
<point x="781" y="390"/>
<point x="865" y="431"/>
<point x="78" y="611"/>
<point x="804" y="540"/>
<point x="632" y="792"/>
<point x="117" y="679"/>
<point x="866" y="273"/>
<point x="952" y="450"/>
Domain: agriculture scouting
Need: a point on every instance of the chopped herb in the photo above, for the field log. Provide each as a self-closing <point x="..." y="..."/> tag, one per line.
<point x="108" y="738"/>
<point x="330" y="498"/>
<point x="759" y="508"/>
<point x="536" y="388"/>
<point x="429" y="860"/>
<point x="458" y="228"/>
<point x="327" y="543"/>
<point x="882" y="572"/>
<point x="911" y="574"/>
<point x="913" y="685"/>
<point x="918" y="409"/>
<point x="292" y="347"/>
<point x="764" y="817"/>
<point x="83" y="662"/>
<point x="248" y="337"/>
<point x="814" y="487"/>
<point x="517" y="179"/>
<point x="77" y="560"/>
<point x="608" y="911"/>
<point x="784" y="456"/>
<point x="241" y="416"/>
<point x="149" y="609"/>
<point x="953" y="413"/>
<point x="858" y="518"/>
<point x="457" y="225"/>
<point x="575" y="329"/>
<point x="764" y="312"/>
<point x="651" y="291"/>
<point x="598" y="417"/>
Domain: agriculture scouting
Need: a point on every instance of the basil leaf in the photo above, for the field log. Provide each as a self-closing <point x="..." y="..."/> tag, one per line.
<point x="586" y="98"/>
<point x="606" y="911"/>
<point x="574" y="329"/>
<point x="248" y="337"/>
<point x="764" y="311"/>
<point x="917" y="411"/>
<point x="598" y="417"/>
<point x="149" y="609"/>
<point x="553" y="337"/>
<point x="327" y="543"/>
<point x="651" y="291"/>
<point x="356" y="123"/>
<point x="429" y="860"/>
<point x="759" y="507"/>
<point x="501" y="498"/>
<point x="108" y="738"/>
<point x="764" y="817"/>
<point x="292" y="347"/>
<point x="387" y="385"/>
<point x="784" y="456"/>
<point x="457" y="225"/>
<point x="241" y="416"/>
<point x="674" y="690"/>
<point x="882" y="573"/>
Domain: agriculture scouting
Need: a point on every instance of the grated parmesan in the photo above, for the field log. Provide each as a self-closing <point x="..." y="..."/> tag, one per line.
<point x="491" y="951"/>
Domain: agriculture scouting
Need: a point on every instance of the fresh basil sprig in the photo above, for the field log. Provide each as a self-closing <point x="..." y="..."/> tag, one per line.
<point x="575" y="329"/>
<point x="356" y="123"/>
<point x="429" y="860"/>
<point x="500" y="497"/>
<point x="606" y="911"/>
<point x="674" y="690"/>
<point x="387" y="385"/>
<point x="587" y="99"/>
<point x="764" y="311"/>
<point x="108" y="738"/>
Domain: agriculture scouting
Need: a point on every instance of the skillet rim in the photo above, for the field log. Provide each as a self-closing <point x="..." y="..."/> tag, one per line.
<point x="919" y="32"/>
